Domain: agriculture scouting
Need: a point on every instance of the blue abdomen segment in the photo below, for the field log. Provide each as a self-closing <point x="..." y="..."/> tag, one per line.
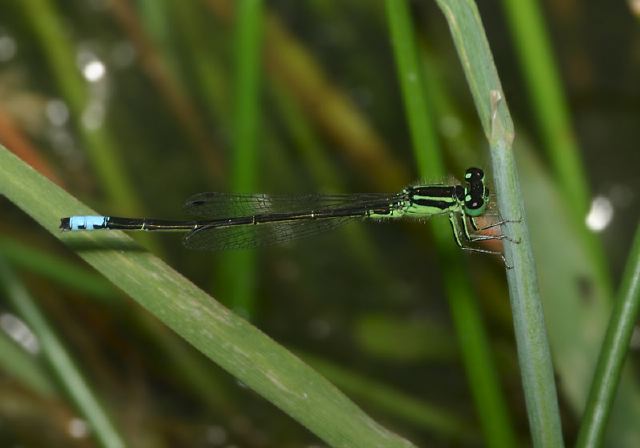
<point x="88" y="222"/>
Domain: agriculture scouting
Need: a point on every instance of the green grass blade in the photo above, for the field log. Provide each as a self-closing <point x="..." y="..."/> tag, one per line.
<point x="249" y="32"/>
<point x="65" y="369"/>
<point x="239" y="268"/>
<point x="568" y="288"/>
<point x="533" y="347"/>
<point x="613" y="353"/>
<point x="484" y="383"/>
<point x="423" y="134"/>
<point x="230" y="341"/>
<point x="552" y="114"/>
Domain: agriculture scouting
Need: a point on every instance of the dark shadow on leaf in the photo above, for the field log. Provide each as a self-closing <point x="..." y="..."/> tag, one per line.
<point x="86" y="245"/>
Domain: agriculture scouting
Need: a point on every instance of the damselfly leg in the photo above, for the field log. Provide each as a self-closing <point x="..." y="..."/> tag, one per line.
<point x="463" y="236"/>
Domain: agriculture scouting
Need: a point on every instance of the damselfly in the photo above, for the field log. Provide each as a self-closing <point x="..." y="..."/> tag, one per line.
<point x="240" y="221"/>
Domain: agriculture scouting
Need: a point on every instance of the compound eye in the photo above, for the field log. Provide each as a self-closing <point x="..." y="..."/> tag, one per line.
<point x="473" y="203"/>
<point x="474" y="174"/>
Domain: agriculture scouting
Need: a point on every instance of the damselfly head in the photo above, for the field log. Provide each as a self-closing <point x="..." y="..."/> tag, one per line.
<point x="476" y="194"/>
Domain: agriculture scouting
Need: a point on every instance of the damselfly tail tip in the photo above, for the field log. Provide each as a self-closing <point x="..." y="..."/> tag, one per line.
<point x="65" y="224"/>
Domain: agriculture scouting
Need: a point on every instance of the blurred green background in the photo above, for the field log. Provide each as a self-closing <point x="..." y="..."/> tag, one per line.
<point x="133" y="106"/>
